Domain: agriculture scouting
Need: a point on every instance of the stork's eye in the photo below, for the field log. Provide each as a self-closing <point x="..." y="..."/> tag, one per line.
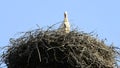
<point x="65" y="15"/>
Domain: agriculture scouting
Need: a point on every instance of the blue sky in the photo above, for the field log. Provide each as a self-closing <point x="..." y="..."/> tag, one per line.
<point x="101" y="16"/>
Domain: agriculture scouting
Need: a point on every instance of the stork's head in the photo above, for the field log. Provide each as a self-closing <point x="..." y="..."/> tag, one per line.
<point x="65" y="16"/>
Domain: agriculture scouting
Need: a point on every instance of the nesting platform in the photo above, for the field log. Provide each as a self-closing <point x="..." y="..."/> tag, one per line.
<point x="50" y="49"/>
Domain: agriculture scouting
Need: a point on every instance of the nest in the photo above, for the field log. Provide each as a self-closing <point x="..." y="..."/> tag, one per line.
<point x="51" y="49"/>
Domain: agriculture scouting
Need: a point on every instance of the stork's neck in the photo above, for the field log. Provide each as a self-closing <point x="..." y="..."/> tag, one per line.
<point x="65" y="17"/>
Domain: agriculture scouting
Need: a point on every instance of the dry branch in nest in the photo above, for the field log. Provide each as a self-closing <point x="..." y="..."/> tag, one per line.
<point x="50" y="49"/>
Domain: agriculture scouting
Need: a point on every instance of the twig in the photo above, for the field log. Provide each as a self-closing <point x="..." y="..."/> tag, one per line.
<point x="38" y="52"/>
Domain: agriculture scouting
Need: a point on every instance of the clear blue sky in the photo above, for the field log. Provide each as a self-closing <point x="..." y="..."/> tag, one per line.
<point x="101" y="16"/>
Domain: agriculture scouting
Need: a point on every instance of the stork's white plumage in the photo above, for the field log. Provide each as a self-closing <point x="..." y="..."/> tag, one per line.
<point x="65" y="27"/>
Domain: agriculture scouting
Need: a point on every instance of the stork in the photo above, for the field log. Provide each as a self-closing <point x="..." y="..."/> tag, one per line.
<point x="65" y="26"/>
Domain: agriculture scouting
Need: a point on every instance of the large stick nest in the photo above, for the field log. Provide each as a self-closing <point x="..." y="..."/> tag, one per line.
<point x="51" y="49"/>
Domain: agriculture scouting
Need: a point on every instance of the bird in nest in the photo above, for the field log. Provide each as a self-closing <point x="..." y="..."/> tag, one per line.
<point x="65" y="26"/>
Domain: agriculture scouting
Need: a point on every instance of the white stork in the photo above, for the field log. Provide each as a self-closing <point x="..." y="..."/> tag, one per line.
<point x="65" y="26"/>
